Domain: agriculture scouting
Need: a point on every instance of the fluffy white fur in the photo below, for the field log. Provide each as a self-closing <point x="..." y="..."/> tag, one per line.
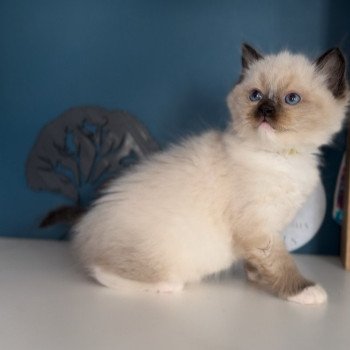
<point x="184" y="213"/>
<point x="310" y="296"/>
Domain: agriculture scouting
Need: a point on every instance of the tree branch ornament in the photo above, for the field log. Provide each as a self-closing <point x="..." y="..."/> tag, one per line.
<point x="81" y="149"/>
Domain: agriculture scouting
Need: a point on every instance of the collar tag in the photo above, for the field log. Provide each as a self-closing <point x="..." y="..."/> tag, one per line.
<point x="292" y="152"/>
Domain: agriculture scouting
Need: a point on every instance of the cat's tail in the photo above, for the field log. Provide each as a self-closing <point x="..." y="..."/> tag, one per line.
<point x="65" y="214"/>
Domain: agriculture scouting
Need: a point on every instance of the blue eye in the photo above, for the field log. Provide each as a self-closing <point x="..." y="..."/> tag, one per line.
<point x="292" y="98"/>
<point x="255" y="95"/>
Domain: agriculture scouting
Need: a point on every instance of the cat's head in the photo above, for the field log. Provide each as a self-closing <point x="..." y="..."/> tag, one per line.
<point x="287" y="101"/>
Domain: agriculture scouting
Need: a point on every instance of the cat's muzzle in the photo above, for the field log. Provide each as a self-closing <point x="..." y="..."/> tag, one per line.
<point x="266" y="109"/>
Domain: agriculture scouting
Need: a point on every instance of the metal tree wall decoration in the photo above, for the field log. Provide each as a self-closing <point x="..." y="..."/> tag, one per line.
<point x="82" y="148"/>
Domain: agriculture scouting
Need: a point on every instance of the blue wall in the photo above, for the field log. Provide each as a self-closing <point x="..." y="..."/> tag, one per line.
<point x="171" y="63"/>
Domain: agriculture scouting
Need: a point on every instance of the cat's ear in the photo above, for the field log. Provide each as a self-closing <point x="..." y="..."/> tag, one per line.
<point x="249" y="56"/>
<point x="333" y="66"/>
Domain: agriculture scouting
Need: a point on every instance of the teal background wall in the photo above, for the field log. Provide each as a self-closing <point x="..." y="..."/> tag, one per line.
<point x="170" y="63"/>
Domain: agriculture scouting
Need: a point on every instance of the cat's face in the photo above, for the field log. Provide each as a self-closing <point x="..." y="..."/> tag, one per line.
<point x="285" y="100"/>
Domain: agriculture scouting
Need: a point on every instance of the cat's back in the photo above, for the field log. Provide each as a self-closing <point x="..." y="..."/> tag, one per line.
<point x="196" y="164"/>
<point x="175" y="201"/>
<point x="189" y="180"/>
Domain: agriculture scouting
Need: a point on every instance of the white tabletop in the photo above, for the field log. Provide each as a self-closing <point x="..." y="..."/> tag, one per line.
<point x="47" y="303"/>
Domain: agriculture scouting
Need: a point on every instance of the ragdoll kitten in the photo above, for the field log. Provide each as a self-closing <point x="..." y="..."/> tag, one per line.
<point x="199" y="206"/>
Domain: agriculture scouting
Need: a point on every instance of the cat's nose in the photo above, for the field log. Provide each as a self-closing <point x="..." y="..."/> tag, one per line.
<point x="266" y="109"/>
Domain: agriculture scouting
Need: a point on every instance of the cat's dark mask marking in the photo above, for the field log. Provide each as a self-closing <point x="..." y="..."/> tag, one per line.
<point x="266" y="109"/>
<point x="332" y="64"/>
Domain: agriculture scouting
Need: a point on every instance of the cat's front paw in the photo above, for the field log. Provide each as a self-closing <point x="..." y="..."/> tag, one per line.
<point x="310" y="296"/>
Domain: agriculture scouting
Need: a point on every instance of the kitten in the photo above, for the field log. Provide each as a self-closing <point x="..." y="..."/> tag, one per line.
<point x="198" y="207"/>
